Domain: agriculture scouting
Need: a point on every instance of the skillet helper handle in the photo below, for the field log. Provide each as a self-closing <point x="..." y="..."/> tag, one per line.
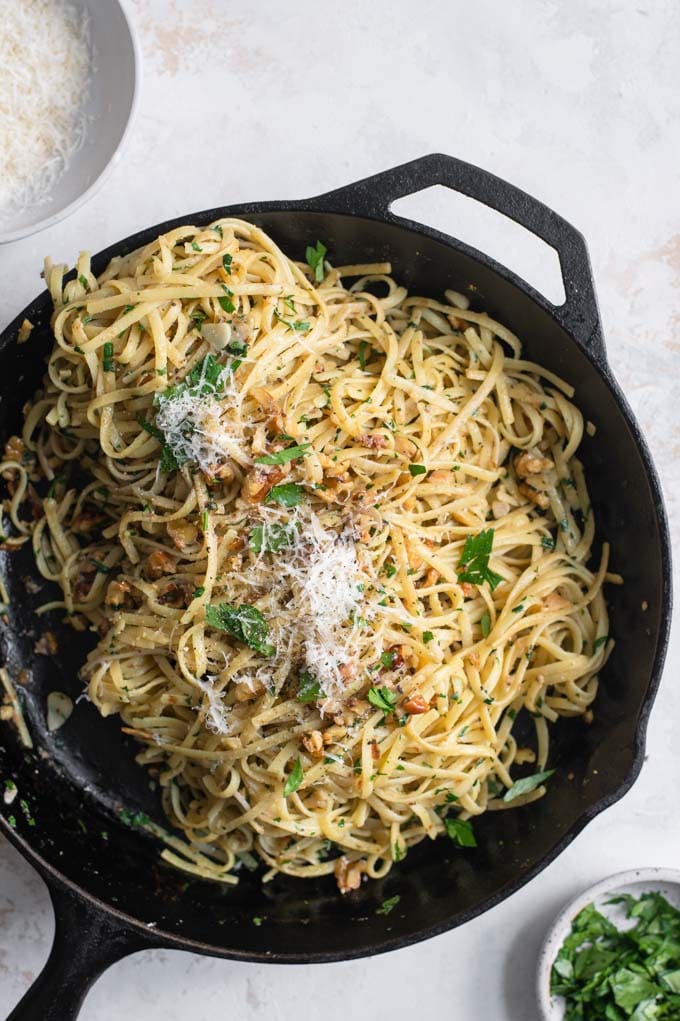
<point x="373" y="197"/>
<point x="86" y="942"/>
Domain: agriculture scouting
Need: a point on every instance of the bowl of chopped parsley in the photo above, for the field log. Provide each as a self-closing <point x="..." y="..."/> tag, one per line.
<point x="614" y="952"/>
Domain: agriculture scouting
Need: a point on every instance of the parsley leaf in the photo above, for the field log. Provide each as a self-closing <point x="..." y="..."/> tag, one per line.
<point x="474" y="562"/>
<point x="270" y="538"/>
<point x="485" y="624"/>
<point x="288" y="495"/>
<point x="387" y="658"/>
<point x="526" y="785"/>
<point x="417" y="469"/>
<point x="309" y="688"/>
<point x="460" y="831"/>
<point x="389" y="904"/>
<point x="314" y="256"/>
<point x="295" y="778"/>
<point x="244" y="623"/>
<point x="382" y="698"/>
<point x="284" y="456"/>
<point x="226" y="263"/>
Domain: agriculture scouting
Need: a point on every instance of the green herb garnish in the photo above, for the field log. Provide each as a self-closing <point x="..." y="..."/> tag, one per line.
<point x="417" y="469"/>
<point x="460" y="831"/>
<point x="526" y="785"/>
<point x="547" y="542"/>
<point x="605" y="973"/>
<point x="244" y="623"/>
<point x="474" y="562"/>
<point x="383" y="699"/>
<point x="391" y="902"/>
<point x="107" y="361"/>
<point x="287" y="495"/>
<point x="315" y="256"/>
<point x="270" y="538"/>
<point x="309" y="688"/>
<point x="295" y="778"/>
<point x="226" y="263"/>
<point x="284" y="456"/>
<point x="485" y="624"/>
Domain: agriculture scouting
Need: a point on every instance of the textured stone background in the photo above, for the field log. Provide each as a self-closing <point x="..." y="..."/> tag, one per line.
<point x="577" y="103"/>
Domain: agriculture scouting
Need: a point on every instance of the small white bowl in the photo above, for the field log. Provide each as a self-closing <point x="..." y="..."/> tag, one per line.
<point x="636" y="882"/>
<point x="110" y="107"/>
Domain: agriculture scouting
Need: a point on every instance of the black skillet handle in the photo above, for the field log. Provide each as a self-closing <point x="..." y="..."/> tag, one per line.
<point x="86" y="942"/>
<point x="373" y="197"/>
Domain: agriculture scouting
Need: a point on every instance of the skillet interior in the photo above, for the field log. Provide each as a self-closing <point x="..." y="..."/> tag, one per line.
<point x="82" y="773"/>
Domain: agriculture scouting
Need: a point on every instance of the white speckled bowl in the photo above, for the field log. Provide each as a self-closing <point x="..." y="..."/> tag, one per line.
<point x="111" y="104"/>
<point x="637" y="881"/>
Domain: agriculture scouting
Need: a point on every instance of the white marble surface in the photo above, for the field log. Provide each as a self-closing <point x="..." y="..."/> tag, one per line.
<point x="578" y="103"/>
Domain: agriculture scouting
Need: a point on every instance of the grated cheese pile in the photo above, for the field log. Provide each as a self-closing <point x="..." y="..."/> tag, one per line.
<point x="44" y="76"/>
<point x="313" y="595"/>
<point x="196" y="424"/>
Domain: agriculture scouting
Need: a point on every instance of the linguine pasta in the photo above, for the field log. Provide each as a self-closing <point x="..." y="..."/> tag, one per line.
<point x="334" y="540"/>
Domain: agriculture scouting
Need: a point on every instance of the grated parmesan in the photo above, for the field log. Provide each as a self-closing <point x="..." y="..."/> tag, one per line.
<point x="197" y="427"/>
<point x="313" y="592"/>
<point x="44" y="75"/>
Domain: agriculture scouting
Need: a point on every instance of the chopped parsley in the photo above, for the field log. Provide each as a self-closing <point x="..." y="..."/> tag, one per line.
<point x="485" y="624"/>
<point x="526" y="785"/>
<point x="474" y="562"/>
<point x="387" y="658"/>
<point x="225" y="301"/>
<point x="391" y="902"/>
<point x="604" y="972"/>
<point x="198" y="592"/>
<point x="284" y="456"/>
<point x="417" y="469"/>
<point x="314" y="256"/>
<point x="383" y="699"/>
<point x="460" y="831"/>
<point x="107" y="361"/>
<point x="288" y="495"/>
<point x="548" y="542"/>
<point x="226" y="263"/>
<point x="602" y="640"/>
<point x="270" y="538"/>
<point x="427" y="637"/>
<point x="309" y="688"/>
<point x="390" y="569"/>
<point x="244" y="623"/>
<point x="295" y="778"/>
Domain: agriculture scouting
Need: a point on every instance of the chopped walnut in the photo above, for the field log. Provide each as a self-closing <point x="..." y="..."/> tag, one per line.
<point x="529" y="463"/>
<point x="348" y="874"/>
<point x="261" y="479"/>
<point x="244" y="691"/>
<point x="535" y="496"/>
<point x="270" y="407"/>
<point x="159" y="563"/>
<point x="182" y="533"/>
<point x="117" y="593"/>
<point x="14" y="449"/>
<point x="374" y="441"/>
<point x="414" y="705"/>
<point x="47" y="644"/>
<point x="333" y="734"/>
<point x="313" y="743"/>
<point x="175" y="595"/>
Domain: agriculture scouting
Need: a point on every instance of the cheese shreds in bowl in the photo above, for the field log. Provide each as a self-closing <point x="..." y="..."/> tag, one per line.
<point x="44" y="77"/>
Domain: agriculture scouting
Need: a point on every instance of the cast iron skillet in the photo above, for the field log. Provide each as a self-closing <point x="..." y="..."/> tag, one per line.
<point x="111" y="893"/>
